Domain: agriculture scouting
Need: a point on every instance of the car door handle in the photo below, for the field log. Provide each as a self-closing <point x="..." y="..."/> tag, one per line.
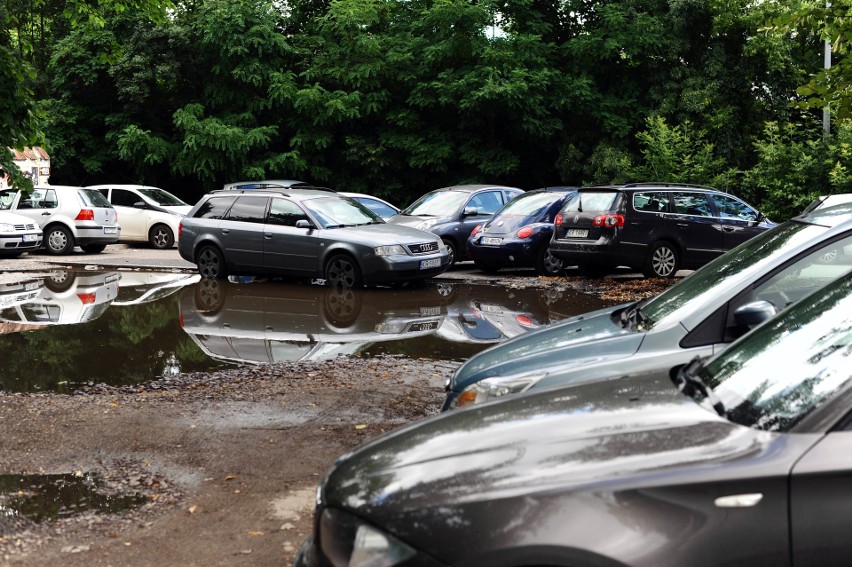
<point x="47" y="214"/>
<point x="739" y="500"/>
<point x="267" y="235"/>
<point x="728" y="228"/>
<point x="226" y="231"/>
<point x="682" y="224"/>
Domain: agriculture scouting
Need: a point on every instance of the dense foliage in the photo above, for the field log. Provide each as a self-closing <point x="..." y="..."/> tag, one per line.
<point x="396" y="98"/>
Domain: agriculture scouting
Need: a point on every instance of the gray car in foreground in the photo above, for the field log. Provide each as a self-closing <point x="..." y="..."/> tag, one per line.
<point x="698" y="316"/>
<point x="305" y="233"/>
<point x="742" y="460"/>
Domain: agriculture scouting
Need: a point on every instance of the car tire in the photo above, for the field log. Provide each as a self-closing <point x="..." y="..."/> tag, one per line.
<point x="546" y="264"/>
<point x="60" y="281"/>
<point x="341" y="307"/>
<point x="452" y="253"/>
<point x="662" y="261"/>
<point x="93" y="248"/>
<point x="161" y="237"/>
<point x="486" y="267"/>
<point x="209" y="296"/>
<point x="211" y="263"/>
<point x="342" y="270"/>
<point x="58" y="240"/>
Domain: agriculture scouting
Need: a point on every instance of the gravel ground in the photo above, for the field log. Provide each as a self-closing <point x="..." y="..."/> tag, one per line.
<point x="224" y="465"/>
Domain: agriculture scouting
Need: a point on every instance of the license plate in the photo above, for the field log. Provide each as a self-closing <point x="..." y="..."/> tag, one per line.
<point x="434" y="263"/>
<point x="577" y="233"/>
<point x="427" y="311"/>
<point x="110" y="230"/>
<point x="30" y="237"/>
<point x="425" y="326"/>
<point x="32" y="285"/>
<point x="491" y="308"/>
<point x="491" y="241"/>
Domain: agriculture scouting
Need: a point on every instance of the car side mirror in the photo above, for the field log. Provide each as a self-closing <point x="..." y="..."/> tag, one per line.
<point x="302" y="223"/>
<point x="470" y="211"/>
<point x="755" y="313"/>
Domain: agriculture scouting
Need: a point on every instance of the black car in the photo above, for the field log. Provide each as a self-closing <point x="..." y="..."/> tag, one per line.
<point x="739" y="460"/>
<point x="653" y="227"/>
<point x="519" y="234"/>
<point x="453" y="212"/>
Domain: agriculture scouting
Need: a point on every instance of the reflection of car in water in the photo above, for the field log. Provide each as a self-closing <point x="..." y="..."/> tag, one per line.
<point x="19" y="292"/>
<point x="264" y="323"/>
<point x="68" y="297"/>
<point x="145" y="287"/>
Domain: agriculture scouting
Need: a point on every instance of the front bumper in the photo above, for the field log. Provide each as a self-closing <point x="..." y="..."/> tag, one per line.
<point x="20" y="242"/>
<point x="390" y="269"/>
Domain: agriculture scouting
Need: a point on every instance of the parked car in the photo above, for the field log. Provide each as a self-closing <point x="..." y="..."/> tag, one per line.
<point x="378" y="206"/>
<point x="828" y="201"/>
<point x="741" y="460"/>
<point x="67" y="297"/>
<point x="148" y="214"/>
<point x="138" y="287"/>
<point x="519" y="234"/>
<point x="18" y="234"/>
<point x="653" y="227"/>
<point x="453" y="212"/>
<point x="267" y="184"/>
<point x="266" y="323"/>
<point x="698" y="316"/>
<point x="68" y="216"/>
<point x="306" y="233"/>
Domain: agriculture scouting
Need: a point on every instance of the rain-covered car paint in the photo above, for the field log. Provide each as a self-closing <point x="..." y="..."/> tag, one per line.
<point x="519" y="234"/>
<point x="696" y="317"/>
<point x="741" y="460"/>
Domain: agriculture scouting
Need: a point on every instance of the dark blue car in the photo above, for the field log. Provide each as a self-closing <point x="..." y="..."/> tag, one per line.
<point x="518" y="235"/>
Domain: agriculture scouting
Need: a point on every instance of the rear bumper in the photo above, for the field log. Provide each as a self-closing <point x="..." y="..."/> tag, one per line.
<point x="96" y="235"/>
<point x="602" y="251"/>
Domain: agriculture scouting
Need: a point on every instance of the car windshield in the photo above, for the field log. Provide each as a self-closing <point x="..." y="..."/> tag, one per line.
<point x="338" y="212"/>
<point x="6" y="198"/>
<point x="785" y="369"/>
<point x="94" y="198"/>
<point x="437" y="204"/>
<point x="162" y="198"/>
<point x="753" y="255"/>
<point x="591" y="201"/>
<point x="528" y="205"/>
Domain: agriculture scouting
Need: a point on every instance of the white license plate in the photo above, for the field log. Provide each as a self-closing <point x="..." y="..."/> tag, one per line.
<point x="491" y="241"/>
<point x="430" y="311"/>
<point x="32" y="285"/>
<point x="577" y="233"/>
<point x="30" y="237"/>
<point x="110" y="230"/>
<point x="434" y="263"/>
<point x="491" y="308"/>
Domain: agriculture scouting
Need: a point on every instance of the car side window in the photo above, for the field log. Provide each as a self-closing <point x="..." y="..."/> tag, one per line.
<point x="285" y="213"/>
<point x="249" y="209"/>
<point x="693" y="204"/>
<point x="731" y="208"/>
<point x="49" y="200"/>
<point x="214" y="208"/>
<point x="486" y="203"/>
<point x="124" y="198"/>
<point x="6" y="198"/>
<point x="655" y="202"/>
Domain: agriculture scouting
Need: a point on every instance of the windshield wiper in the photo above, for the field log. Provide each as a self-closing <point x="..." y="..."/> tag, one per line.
<point x="633" y="316"/>
<point x="690" y="383"/>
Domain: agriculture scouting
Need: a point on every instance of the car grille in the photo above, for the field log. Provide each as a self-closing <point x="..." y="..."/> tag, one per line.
<point x="22" y="227"/>
<point x="424" y="248"/>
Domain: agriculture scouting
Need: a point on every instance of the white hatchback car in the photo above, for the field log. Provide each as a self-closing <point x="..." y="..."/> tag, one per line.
<point x="148" y="214"/>
<point x="68" y="216"/>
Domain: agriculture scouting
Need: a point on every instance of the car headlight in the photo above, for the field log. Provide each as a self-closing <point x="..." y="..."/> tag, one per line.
<point x="391" y="327"/>
<point x="441" y="246"/>
<point x="348" y="542"/>
<point x="7" y="228"/>
<point x="496" y="387"/>
<point x="426" y="225"/>
<point x="394" y="250"/>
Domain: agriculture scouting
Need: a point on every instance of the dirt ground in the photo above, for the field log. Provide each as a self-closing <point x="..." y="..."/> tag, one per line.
<point x="226" y="464"/>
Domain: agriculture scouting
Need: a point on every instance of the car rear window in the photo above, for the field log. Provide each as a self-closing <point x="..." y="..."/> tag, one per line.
<point x="592" y="201"/>
<point x="94" y="198"/>
<point x="214" y="208"/>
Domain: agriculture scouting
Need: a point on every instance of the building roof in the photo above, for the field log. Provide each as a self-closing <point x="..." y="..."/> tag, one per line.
<point x="33" y="153"/>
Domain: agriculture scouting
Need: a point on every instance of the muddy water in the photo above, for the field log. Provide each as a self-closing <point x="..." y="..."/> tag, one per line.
<point x="125" y="328"/>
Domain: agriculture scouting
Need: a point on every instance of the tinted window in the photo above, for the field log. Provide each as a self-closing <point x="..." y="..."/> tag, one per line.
<point x="124" y="198"/>
<point x="285" y="213"/>
<point x="334" y="212"/>
<point x="592" y="201"/>
<point x="94" y="198"/>
<point x="437" y="203"/>
<point x="654" y="202"/>
<point x="249" y="209"/>
<point x="376" y="206"/>
<point x="694" y="204"/>
<point x="161" y="197"/>
<point x="214" y="208"/>
<point x="530" y="204"/>
<point x="486" y="203"/>
<point x="731" y="208"/>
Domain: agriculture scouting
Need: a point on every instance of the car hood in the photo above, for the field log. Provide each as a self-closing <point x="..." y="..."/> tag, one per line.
<point x="177" y="209"/>
<point x="405" y="220"/>
<point x="585" y="339"/>
<point x="600" y="436"/>
<point x="382" y="234"/>
<point x="14" y="218"/>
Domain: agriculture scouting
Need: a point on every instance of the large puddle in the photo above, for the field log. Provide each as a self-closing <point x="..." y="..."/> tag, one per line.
<point x="125" y="327"/>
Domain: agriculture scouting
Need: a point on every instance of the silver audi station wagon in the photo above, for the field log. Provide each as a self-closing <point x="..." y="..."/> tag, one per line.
<point x="305" y="232"/>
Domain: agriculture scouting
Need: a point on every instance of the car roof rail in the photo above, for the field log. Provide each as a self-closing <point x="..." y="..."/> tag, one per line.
<point x="669" y="184"/>
<point x="285" y="191"/>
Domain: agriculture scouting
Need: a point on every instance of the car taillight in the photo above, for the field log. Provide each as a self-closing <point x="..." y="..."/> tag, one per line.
<point x="558" y="220"/>
<point x="475" y="229"/>
<point x="85" y="214"/>
<point x="608" y="221"/>
<point x="86" y="298"/>
<point x="524" y="321"/>
<point x="180" y="229"/>
<point x="525" y="232"/>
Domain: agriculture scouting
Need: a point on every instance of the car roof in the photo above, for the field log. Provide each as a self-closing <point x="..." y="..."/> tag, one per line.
<point x="306" y="191"/>
<point x="475" y="187"/>
<point x="555" y="189"/>
<point x="120" y="186"/>
<point x="265" y="183"/>
<point x="835" y="215"/>
<point x="648" y="185"/>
